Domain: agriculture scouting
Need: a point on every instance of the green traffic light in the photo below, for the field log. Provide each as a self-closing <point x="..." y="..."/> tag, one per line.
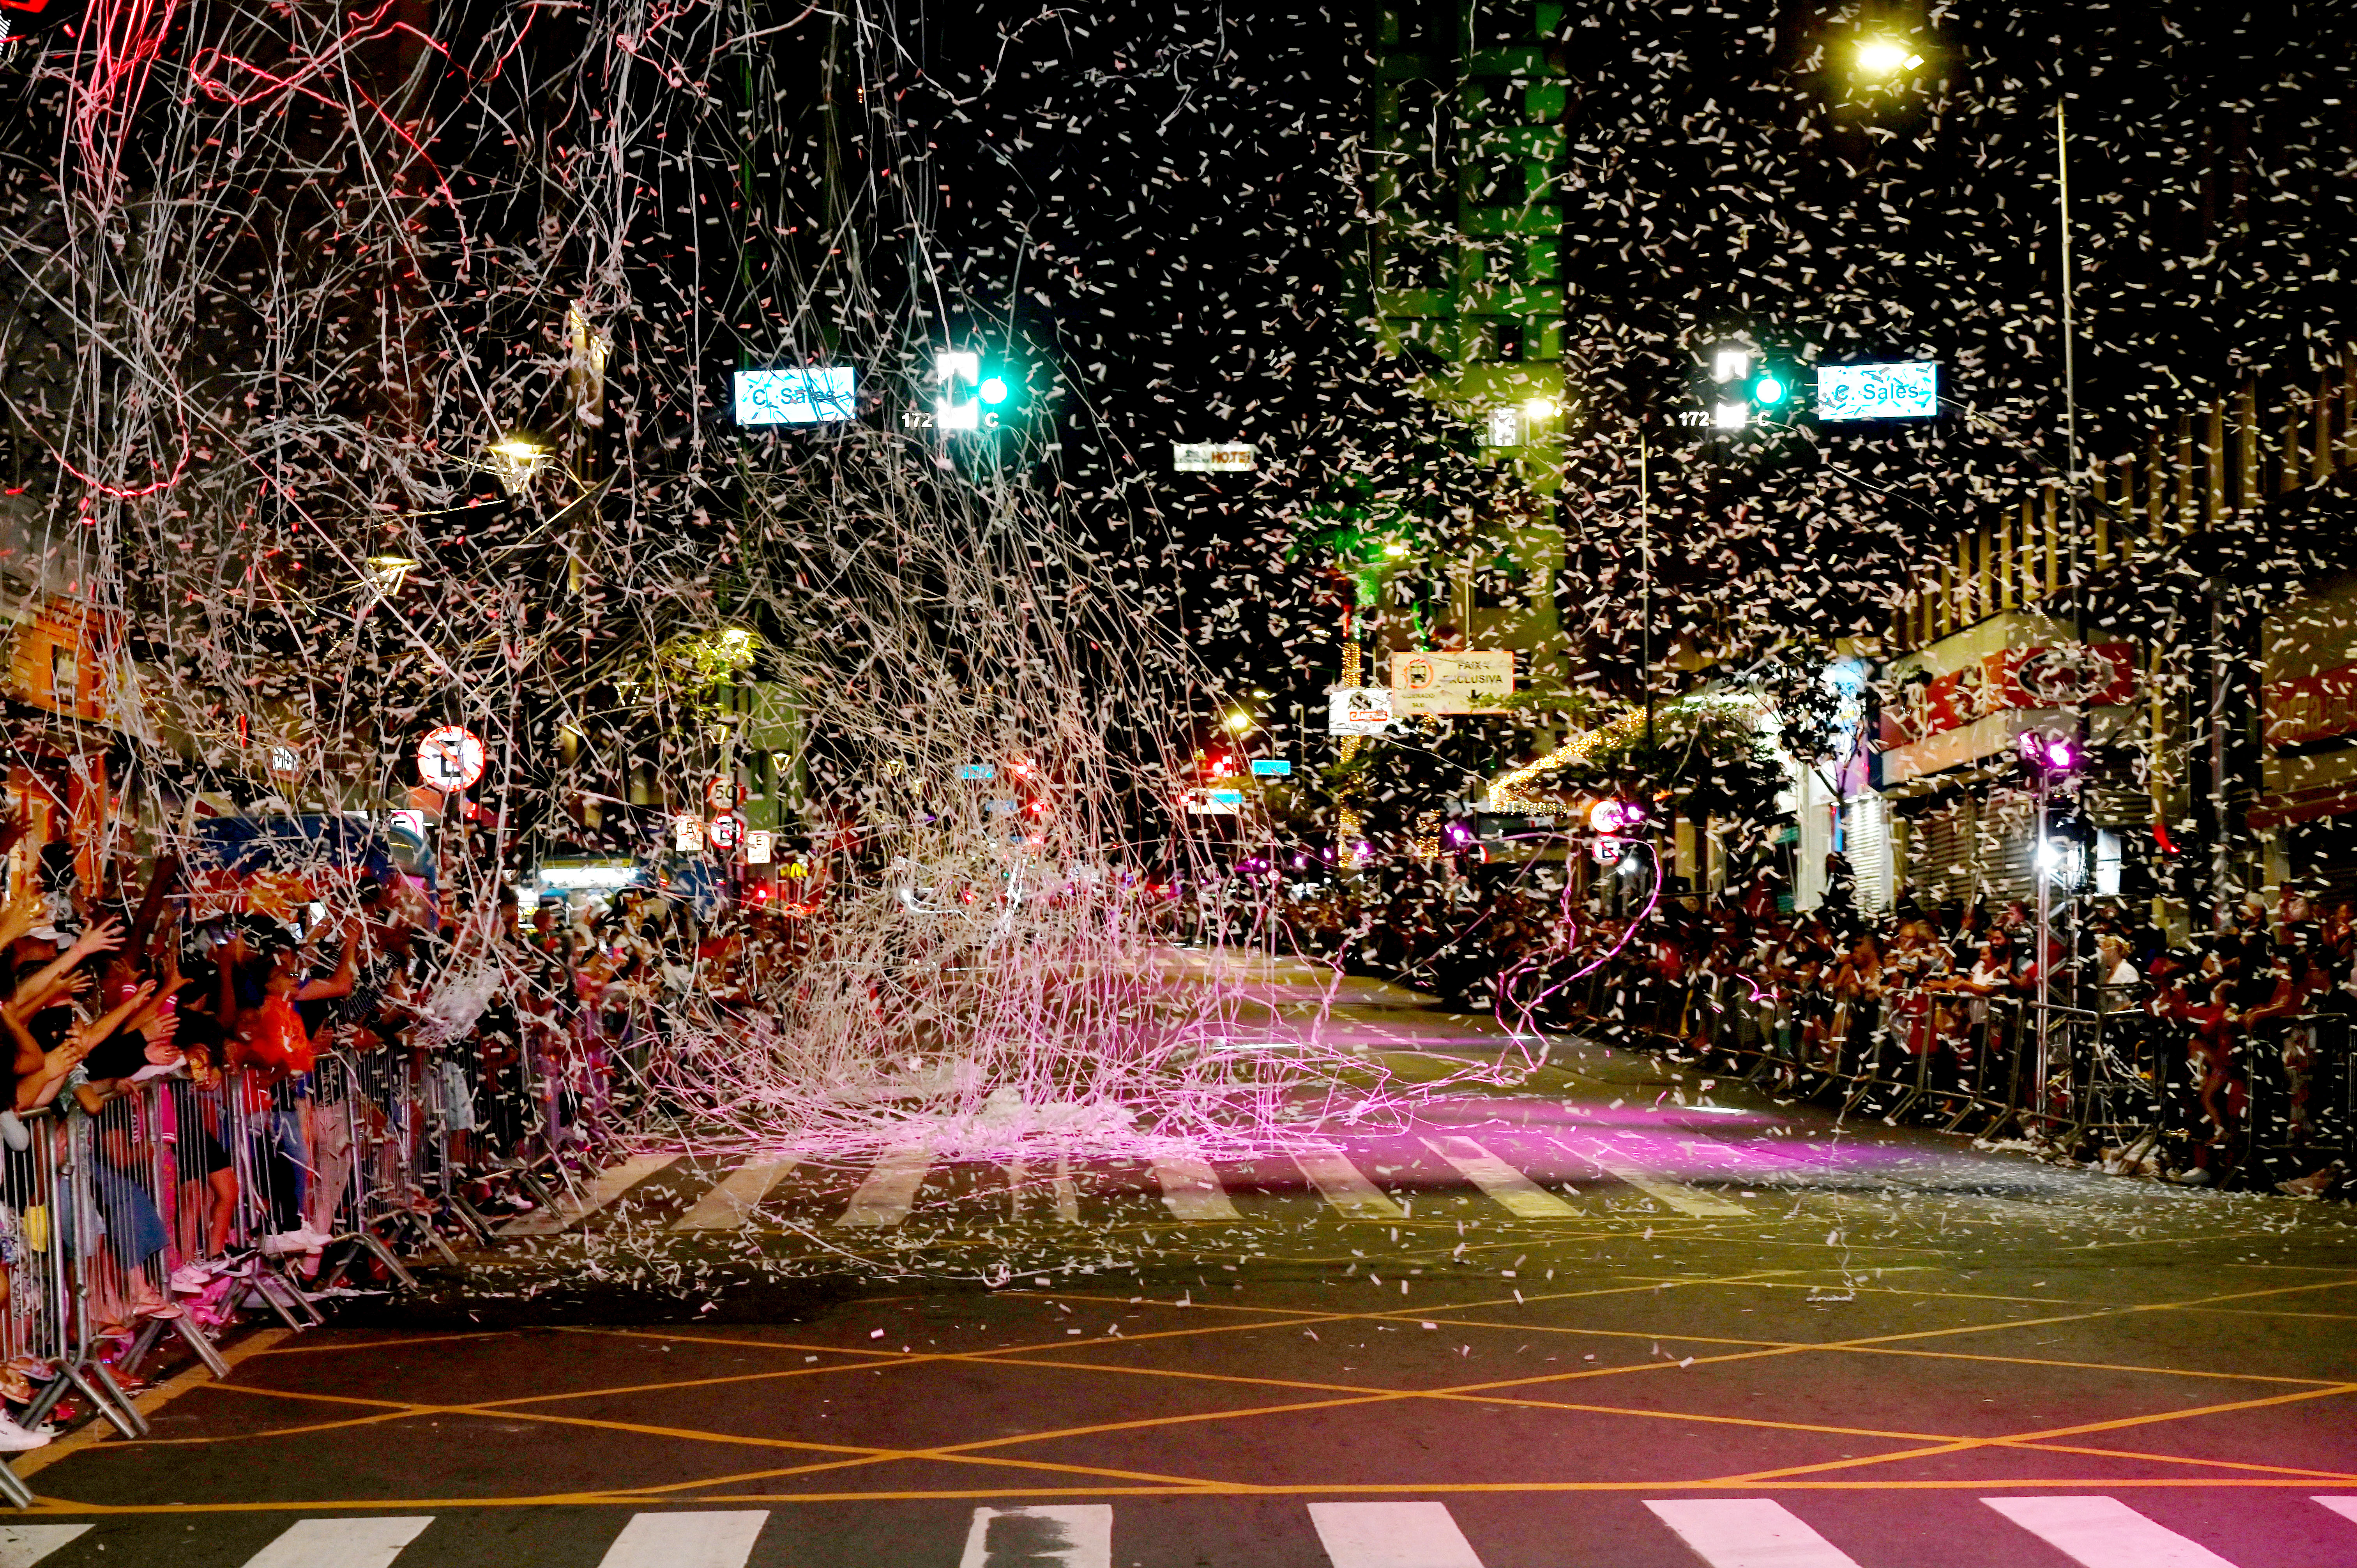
<point x="992" y="392"/>
<point x="1767" y="391"/>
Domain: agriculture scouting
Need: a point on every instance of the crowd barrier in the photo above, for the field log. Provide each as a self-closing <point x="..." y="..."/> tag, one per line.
<point x="2271" y="1104"/>
<point x="169" y="1210"/>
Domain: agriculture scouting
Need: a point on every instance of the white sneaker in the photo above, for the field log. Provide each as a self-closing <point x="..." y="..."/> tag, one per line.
<point x="286" y="1242"/>
<point x="191" y="1279"/>
<point x="15" y="1439"/>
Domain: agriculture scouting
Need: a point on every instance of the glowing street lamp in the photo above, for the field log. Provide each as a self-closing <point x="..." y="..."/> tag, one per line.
<point x="516" y="457"/>
<point x="1885" y="57"/>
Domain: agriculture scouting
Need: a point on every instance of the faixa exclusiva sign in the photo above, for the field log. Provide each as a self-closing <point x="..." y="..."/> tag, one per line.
<point x="1452" y="683"/>
<point x="1926" y="701"/>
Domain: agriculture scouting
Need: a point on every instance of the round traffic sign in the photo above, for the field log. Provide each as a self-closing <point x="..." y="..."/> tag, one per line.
<point x="449" y="759"/>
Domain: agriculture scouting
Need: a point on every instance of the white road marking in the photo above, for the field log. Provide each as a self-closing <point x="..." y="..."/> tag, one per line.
<point x="1068" y="1535"/>
<point x="22" y="1545"/>
<point x="2105" y="1533"/>
<point x="1192" y="1189"/>
<point x="340" y="1544"/>
<point x="730" y="1205"/>
<point x="1068" y="1197"/>
<point x="1685" y="1200"/>
<point x="2345" y="1506"/>
<point x="1345" y="1186"/>
<point x="885" y="1198"/>
<point x="603" y="1189"/>
<point x="1515" y="1192"/>
<point x="1392" y="1535"/>
<point x="1748" y="1533"/>
<point x="686" y="1541"/>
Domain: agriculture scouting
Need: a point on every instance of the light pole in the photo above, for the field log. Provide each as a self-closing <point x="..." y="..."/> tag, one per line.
<point x="1884" y="59"/>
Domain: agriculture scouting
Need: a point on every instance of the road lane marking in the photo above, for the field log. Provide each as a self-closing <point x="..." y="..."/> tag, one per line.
<point x="2105" y="1533"/>
<point x="1392" y="1535"/>
<point x="1192" y="1189"/>
<point x="1685" y="1200"/>
<point x="340" y="1544"/>
<point x="1513" y="1191"/>
<point x="22" y="1545"/>
<point x="603" y="1189"/>
<point x="1069" y="1535"/>
<point x="729" y="1205"/>
<point x="686" y="1541"/>
<point x="2345" y="1506"/>
<point x="1345" y="1186"/>
<point x="1068" y="1197"/>
<point x="885" y="1198"/>
<point x="1748" y="1533"/>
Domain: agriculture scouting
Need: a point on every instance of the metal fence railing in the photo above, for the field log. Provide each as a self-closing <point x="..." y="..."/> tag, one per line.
<point x="2120" y="1084"/>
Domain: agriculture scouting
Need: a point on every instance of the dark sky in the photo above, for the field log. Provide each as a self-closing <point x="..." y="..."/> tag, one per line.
<point x="1166" y="195"/>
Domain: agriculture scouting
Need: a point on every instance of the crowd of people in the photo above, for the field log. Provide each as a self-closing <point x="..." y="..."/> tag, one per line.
<point x="230" y="1071"/>
<point x="2202" y="1061"/>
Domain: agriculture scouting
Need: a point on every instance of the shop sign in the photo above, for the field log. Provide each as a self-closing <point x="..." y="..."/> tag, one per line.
<point x="2309" y="709"/>
<point x="1358" y="710"/>
<point x="1451" y="683"/>
<point x="1925" y="701"/>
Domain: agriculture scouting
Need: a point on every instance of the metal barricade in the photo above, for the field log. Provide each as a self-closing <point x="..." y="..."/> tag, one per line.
<point x="2301" y="1096"/>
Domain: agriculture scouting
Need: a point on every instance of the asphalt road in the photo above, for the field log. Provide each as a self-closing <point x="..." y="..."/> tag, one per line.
<point x="1603" y="1315"/>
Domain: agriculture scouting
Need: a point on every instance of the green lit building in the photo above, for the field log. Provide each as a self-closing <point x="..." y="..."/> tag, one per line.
<point x="1465" y="158"/>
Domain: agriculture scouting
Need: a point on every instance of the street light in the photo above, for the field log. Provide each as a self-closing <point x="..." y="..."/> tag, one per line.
<point x="516" y="457"/>
<point x="1886" y="57"/>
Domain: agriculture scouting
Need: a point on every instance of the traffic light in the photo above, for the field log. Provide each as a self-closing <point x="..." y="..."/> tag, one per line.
<point x="969" y="395"/>
<point x="1750" y="386"/>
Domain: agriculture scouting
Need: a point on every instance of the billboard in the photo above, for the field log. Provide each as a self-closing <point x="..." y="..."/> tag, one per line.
<point x="1906" y="391"/>
<point x="1213" y="457"/>
<point x="813" y="394"/>
<point x="1451" y="683"/>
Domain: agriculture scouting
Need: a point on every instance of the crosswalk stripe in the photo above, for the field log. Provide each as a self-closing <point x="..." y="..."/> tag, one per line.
<point x="885" y="1198"/>
<point x="2105" y="1533"/>
<point x="1677" y="1194"/>
<point x="1344" y="1186"/>
<point x="22" y="1545"/>
<point x="1192" y="1189"/>
<point x="1392" y="1535"/>
<point x="1068" y="1197"/>
<point x="1513" y="1191"/>
<point x="1068" y="1535"/>
<point x="2345" y="1506"/>
<point x="340" y="1544"/>
<point x="603" y="1189"/>
<point x="686" y="1541"/>
<point x="1748" y="1533"/>
<point x="729" y="1204"/>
